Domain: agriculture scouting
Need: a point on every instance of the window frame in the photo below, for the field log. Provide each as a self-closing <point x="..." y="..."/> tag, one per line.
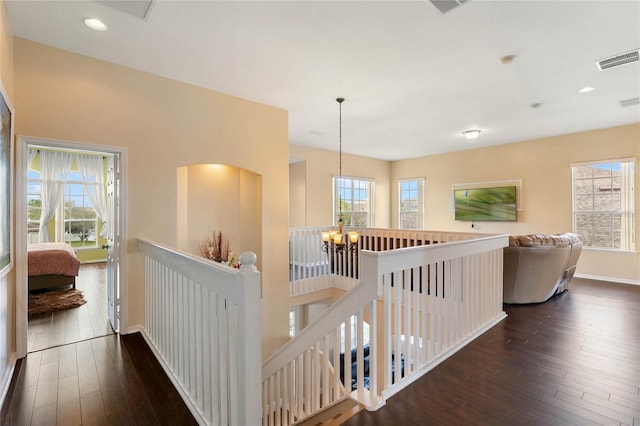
<point x="61" y="225"/>
<point x="60" y="217"/>
<point x="370" y="188"/>
<point x="420" y="201"/>
<point x="627" y="215"/>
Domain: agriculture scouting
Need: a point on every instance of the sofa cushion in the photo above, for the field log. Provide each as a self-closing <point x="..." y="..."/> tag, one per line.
<point x="543" y="240"/>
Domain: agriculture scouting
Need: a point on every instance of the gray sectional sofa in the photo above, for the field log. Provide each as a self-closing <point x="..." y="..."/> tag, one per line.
<point x="538" y="266"/>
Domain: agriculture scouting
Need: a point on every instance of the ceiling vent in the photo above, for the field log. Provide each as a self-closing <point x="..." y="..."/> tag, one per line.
<point x="618" y="60"/>
<point x="138" y="8"/>
<point x="629" y="102"/>
<point x="446" y="5"/>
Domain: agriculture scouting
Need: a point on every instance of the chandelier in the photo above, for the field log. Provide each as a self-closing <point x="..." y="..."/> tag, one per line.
<point x="336" y="241"/>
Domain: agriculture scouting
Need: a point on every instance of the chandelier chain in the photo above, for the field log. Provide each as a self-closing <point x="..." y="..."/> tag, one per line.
<point x="340" y="100"/>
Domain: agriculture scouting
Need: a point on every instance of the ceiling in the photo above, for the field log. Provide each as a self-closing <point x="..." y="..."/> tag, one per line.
<point x="413" y="77"/>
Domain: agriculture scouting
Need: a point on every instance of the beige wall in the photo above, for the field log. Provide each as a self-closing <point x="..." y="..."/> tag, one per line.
<point x="7" y="282"/>
<point x="320" y="165"/>
<point x="297" y="194"/>
<point x="544" y="167"/>
<point x="221" y="198"/>
<point x="164" y="125"/>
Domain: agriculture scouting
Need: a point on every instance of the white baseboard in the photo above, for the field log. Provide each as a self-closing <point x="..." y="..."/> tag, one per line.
<point x="612" y="279"/>
<point x="6" y="378"/>
<point x="134" y="329"/>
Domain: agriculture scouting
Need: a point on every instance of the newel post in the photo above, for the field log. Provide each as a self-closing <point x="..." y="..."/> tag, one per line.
<point x="370" y="275"/>
<point x="249" y="343"/>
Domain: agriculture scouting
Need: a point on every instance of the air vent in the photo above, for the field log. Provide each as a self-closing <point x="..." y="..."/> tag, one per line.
<point x="629" y="102"/>
<point x="446" y="5"/>
<point x="138" y="8"/>
<point x="618" y="60"/>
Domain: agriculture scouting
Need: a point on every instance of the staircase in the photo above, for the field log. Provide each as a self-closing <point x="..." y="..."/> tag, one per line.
<point x="424" y="295"/>
<point x="421" y="295"/>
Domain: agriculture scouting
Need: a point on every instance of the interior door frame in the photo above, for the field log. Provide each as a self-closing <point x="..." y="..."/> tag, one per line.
<point x="21" y="295"/>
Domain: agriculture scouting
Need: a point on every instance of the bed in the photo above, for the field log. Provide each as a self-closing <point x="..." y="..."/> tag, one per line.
<point x="52" y="265"/>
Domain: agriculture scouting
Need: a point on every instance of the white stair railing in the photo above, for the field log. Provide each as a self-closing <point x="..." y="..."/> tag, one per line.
<point x="436" y="298"/>
<point x="314" y="369"/>
<point x="200" y="321"/>
<point x="311" y="269"/>
<point x="421" y="304"/>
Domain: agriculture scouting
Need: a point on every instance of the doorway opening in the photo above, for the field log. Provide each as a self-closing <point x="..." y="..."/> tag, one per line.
<point x="72" y="196"/>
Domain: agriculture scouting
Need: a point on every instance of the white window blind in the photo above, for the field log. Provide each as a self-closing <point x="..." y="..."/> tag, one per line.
<point x="603" y="204"/>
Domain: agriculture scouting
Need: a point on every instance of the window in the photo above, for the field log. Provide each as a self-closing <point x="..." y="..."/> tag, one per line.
<point x="354" y="198"/>
<point x="603" y="204"/>
<point x="80" y="223"/>
<point x="411" y="203"/>
<point x="34" y="205"/>
<point x="76" y="218"/>
<point x="294" y="321"/>
<point x="353" y="325"/>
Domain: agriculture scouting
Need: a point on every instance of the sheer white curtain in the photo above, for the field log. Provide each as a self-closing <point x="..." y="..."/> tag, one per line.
<point x="54" y="167"/>
<point x="93" y="166"/>
<point x="32" y="156"/>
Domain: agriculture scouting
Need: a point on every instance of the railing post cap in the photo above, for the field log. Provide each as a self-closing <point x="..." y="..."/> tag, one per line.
<point x="248" y="261"/>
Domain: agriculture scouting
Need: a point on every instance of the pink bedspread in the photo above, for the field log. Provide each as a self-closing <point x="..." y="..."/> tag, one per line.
<point x="52" y="259"/>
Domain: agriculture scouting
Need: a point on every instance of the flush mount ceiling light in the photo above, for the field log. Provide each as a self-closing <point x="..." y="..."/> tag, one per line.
<point x="586" y="89"/>
<point x="95" y="24"/>
<point x="471" y="134"/>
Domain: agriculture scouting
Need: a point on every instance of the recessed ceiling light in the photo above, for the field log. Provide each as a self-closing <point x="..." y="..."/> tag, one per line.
<point x="471" y="134"/>
<point x="95" y="24"/>
<point x="586" y="89"/>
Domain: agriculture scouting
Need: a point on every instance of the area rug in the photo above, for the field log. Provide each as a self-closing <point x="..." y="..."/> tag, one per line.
<point x="52" y="301"/>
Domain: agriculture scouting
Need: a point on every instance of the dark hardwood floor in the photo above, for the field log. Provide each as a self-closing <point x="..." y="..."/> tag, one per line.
<point x="108" y="380"/>
<point x="574" y="360"/>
